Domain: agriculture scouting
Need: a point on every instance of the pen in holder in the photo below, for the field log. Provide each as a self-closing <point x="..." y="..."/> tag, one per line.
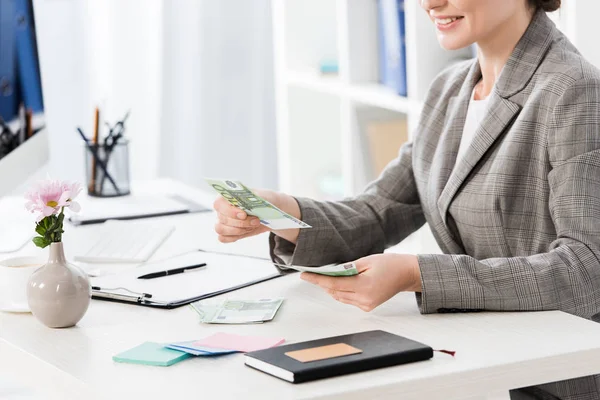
<point x="107" y="168"/>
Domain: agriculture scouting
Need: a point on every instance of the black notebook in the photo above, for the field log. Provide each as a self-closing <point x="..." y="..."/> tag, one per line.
<point x="339" y="355"/>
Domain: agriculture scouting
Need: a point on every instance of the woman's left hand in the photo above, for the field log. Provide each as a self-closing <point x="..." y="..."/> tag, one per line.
<point x="380" y="277"/>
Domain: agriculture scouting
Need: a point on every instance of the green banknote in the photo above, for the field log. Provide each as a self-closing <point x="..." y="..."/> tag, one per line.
<point x="347" y="269"/>
<point x="239" y="195"/>
<point x="237" y="311"/>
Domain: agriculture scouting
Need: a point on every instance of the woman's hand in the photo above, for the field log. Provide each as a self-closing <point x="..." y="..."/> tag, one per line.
<point x="234" y="224"/>
<point x="380" y="278"/>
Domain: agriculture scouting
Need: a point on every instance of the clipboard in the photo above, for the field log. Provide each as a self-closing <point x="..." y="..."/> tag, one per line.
<point x="224" y="273"/>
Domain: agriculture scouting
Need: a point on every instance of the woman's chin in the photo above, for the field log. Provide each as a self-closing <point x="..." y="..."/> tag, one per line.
<point x="453" y="44"/>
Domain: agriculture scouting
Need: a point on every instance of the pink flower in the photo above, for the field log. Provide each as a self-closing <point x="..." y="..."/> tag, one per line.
<point x="49" y="197"/>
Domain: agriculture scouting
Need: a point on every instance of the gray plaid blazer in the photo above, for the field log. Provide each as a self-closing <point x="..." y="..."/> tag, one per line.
<point x="518" y="217"/>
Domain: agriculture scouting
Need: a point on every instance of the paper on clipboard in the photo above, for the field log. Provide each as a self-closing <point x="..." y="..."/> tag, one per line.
<point x="221" y="272"/>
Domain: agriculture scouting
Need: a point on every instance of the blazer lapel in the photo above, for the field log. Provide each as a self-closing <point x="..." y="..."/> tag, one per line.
<point x="446" y="149"/>
<point x="516" y="74"/>
<point x="501" y="113"/>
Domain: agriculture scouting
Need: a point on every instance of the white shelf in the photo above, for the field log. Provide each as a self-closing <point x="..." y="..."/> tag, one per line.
<point x="370" y="94"/>
<point x="377" y="95"/>
<point x="323" y="84"/>
<point x="328" y="111"/>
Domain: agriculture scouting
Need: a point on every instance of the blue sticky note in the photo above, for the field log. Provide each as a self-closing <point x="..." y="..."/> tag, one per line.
<point x="150" y="353"/>
<point x="190" y="347"/>
<point x="190" y="351"/>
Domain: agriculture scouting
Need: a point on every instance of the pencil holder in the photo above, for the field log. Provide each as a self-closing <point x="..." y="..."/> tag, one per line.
<point x="107" y="169"/>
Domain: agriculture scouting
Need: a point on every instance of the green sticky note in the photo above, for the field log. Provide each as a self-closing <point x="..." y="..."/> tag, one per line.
<point x="150" y="353"/>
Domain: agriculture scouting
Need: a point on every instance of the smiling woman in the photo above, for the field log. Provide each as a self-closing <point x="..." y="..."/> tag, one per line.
<point x="462" y="22"/>
<point x="503" y="168"/>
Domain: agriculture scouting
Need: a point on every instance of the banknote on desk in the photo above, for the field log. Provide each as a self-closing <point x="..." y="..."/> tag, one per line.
<point x="237" y="311"/>
<point x="239" y="195"/>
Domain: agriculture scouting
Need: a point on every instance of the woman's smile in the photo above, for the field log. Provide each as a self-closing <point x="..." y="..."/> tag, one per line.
<point x="446" y="23"/>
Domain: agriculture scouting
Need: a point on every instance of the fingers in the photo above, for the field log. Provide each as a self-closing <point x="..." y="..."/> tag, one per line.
<point x="344" y="297"/>
<point x="230" y="234"/>
<point x="222" y="206"/>
<point x="353" y="299"/>
<point x="340" y="283"/>
<point x="362" y="264"/>
<point x="250" y="223"/>
<point x="232" y="217"/>
<point x="226" y="230"/>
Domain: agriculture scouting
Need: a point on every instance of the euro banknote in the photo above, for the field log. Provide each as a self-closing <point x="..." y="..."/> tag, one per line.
<point x="347" y="269"/>
<point x="237" y="311"/>
<point x="239" y="195"/>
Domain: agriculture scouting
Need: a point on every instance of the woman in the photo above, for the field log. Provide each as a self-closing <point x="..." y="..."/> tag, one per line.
<point x="505" y="168"/>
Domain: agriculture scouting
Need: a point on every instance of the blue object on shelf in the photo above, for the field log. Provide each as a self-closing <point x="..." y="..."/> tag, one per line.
<point x="329" y="67"/>
<point x="392" y="45"/>
<point x="8" y="75"/>
<point x="29" y="70"/>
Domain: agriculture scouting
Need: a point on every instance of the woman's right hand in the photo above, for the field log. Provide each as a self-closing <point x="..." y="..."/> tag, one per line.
<point x="234" y="224"/>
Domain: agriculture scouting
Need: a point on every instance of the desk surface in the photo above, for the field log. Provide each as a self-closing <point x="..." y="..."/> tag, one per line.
<point x="495" y="351"/>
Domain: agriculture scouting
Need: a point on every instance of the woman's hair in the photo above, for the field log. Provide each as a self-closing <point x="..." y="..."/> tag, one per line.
<point x="546" y="5"/>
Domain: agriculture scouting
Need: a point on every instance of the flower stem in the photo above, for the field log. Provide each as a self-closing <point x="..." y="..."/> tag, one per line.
<point x="57" y="234"/>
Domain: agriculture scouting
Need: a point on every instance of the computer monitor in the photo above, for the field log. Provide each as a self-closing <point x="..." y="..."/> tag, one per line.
<point x="20" y="90"/>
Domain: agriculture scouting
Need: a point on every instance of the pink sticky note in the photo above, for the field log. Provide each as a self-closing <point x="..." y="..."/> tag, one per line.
<point x="231" y="341"/>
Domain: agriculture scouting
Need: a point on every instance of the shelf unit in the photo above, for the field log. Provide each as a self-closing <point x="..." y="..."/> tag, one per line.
<point x="321" y="120"/>
<point x="320" y="131"/>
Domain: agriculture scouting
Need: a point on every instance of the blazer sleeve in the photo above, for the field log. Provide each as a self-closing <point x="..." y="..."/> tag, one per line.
<point x="567" y="276"/>
<point x="387" y="212"/>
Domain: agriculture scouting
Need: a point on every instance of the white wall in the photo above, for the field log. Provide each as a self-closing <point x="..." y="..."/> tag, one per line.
<point x="580" y="22"/>
<point x="124" y="49"/>
<point x="64" y="79"/>
<point x="101" y="53"/>
<point x="218" y="107"/>
<point x="197" y="75"/>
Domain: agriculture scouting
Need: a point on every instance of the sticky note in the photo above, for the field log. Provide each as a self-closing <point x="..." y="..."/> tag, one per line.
<point x="231" y="341"/>
<point x="323" y="352"/>
<point x="150" y="353"/>
<point x="189" y="347"/>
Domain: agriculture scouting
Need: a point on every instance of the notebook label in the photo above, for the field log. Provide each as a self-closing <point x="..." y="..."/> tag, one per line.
<point x="323" y="352"/>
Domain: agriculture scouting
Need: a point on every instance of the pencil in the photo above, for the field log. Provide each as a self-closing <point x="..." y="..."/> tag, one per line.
<point x="29" y="117"/>
<point x="92" y="149"/>
<point x="92" y="187"/>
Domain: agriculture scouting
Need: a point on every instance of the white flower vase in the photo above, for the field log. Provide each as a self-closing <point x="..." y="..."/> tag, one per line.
<point x="59" y="293"/>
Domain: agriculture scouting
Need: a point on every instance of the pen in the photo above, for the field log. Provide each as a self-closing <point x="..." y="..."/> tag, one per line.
<point x="170" y="272"/>
<point x="94" y="150"/>
<point x="111" y="140"/>
<point x="22" y="124"/>
<point x="92" y="186"/>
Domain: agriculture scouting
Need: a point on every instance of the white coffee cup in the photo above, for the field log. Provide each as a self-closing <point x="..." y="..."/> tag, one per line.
<point x="14" y="275"/>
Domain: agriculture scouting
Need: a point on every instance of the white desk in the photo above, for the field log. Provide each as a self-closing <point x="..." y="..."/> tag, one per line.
<point x="495" y="351"/>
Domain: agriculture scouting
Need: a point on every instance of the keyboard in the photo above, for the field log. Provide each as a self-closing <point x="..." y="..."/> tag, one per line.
<point x="125" y="242"/>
